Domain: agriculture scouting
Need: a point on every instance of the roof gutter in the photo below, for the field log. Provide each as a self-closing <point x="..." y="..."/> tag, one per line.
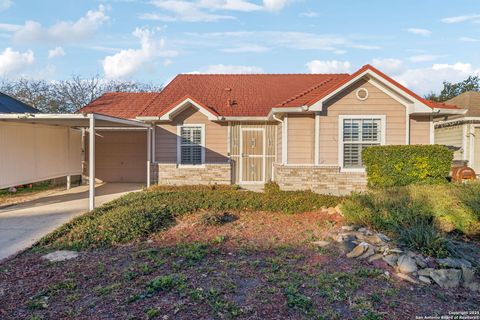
<point x="287" y="110"/>
<point x="449" y="111"/>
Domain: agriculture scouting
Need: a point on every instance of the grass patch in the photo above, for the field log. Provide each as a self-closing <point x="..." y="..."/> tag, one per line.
<point x="138" y="215"/>
<point x="419" y="216"/>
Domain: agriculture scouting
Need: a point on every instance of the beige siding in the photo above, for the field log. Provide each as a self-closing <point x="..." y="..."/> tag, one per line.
<point x="378" y="103"/>
<point x="215" y="138"/>
<point x="34" y="152"/>
<point x="452" y="136"/>
<point x="301" y="136"/>
<point x="476" y="157"/>
<point x="420" y="130"/>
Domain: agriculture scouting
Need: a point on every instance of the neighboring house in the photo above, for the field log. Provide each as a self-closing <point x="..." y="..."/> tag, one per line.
<point x="11" y="105"/>
<point x="462" y="131"/>
<point x="304" y="131"/>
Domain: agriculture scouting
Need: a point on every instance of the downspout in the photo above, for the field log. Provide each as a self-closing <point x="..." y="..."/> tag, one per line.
<point x="283" y="136"/>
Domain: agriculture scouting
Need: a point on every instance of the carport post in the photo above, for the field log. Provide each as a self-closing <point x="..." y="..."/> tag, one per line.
<point x="149" y="155"/>
<point x="91" y="163"/>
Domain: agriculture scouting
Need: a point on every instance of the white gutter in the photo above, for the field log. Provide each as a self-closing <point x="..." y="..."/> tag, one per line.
<point x="449" y="111"/>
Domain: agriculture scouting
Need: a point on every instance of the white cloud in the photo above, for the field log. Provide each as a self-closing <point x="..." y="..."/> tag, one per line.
<point x="468" y="39"/>
<point x="423" y="58"/>
<point x="5" y="4"/>
<point x="424" y="80"/>
<point x="468" y="17"/>
<point x="253" y="48"/>
<point x="275" y="5"/>
<point x="9" y="27"/>
<point x="309" y="14"/>
<point x="329" y="66"/>
<point x="390" y="66"/>
<point x="63" y="31"/>
<point x="56" y="52"/>
<point x="128" y="61"/>
<point x="12" y="62"/>
<point x="420" y="31"/>
<point x="227" y="69"/>
<point x="203" y="10"/>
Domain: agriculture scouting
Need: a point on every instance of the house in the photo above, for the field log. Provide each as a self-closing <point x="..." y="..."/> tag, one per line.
<point x="304" y="131"/>
<point x="11" y="105"/>
<point x="462" y="131"/>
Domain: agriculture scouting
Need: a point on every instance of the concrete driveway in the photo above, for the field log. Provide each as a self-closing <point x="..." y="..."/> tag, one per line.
<point x="23" y="224"/>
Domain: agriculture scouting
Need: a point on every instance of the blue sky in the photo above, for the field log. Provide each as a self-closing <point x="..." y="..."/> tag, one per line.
<point x="418" y="42"/>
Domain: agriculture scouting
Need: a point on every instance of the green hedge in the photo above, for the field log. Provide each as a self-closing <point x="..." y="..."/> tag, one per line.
<point x="402" y="165"/>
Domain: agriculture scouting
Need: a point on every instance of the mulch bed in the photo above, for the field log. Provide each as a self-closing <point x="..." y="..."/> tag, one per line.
<point x="260" y="266"/>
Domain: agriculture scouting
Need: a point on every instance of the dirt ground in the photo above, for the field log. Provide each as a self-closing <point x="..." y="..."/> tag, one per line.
<point x="258" y="266"/>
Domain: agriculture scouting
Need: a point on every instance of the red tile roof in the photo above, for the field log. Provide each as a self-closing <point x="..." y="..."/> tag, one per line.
<point x="126" y="105"/>
<point x="235" y="94"/>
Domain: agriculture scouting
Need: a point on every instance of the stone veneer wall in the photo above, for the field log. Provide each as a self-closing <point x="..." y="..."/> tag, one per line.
<point x="172" y="174"/>
<point x="320" y="179"/>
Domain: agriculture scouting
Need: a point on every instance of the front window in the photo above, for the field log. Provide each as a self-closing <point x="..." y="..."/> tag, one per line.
<point x="191" y="148"/>
<point x="359" y="134"/>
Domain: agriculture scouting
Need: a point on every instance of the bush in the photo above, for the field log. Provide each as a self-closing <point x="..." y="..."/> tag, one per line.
<point x="419" y="215"/>
<point x="138" y="215"/>
<point x="213" y="218"/>
<point x="402" y="165"/>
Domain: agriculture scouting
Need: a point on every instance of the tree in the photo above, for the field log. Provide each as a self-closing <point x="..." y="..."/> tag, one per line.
<point x="68" y="95"/>
<point x="451" y="90"/>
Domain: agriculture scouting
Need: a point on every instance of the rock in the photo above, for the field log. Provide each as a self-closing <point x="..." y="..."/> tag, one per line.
<point x="406" y="277"/>
<point x="331" y="210"/>
<point x="395" y="250"/>
<point x="420" y="262"/>
<point x="321" y="243"/>
<point x="446" y="278"/>
<point x="474" y="286"/>
<point x="468" y="275"/>
<point x="358" y="250"/>
<point x="60" y="255"/>
<point x="375" y="239"/>
<point x="342" y="237"/>
<point x="348" y="228"/>
<point x="406" y="264"/>
<point x="383" y="237"/>
<point x="363" y="230"/>
<point x="391" y="259"/>
<point x="425" y="272"/>
<point x="425" y="280"/>
<point x="454" y="263"/>
<point x="375" y="257"/>
<point x="347" y="246"/>
<point x="370" y="252"/>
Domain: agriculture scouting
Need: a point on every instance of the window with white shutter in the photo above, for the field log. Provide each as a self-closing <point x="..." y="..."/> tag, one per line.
<point x="356" y="135"/>
<point x="191" y="145"/>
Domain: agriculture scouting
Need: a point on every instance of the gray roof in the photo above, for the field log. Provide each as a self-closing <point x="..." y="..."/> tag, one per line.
<point x="12" y="105"/>
<point x="468" y="100"/>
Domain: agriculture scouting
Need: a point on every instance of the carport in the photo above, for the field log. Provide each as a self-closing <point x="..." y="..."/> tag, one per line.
<point x="28" y="154"/>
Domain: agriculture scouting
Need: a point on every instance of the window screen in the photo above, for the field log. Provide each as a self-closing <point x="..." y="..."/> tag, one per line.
<point x="359" y="134"/>
<point x="191" y="145"/>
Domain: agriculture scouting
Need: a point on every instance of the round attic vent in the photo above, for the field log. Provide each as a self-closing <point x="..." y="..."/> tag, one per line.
<point x="362" y="94"/>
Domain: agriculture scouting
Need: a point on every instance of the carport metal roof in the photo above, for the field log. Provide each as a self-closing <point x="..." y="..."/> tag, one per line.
<point x="90" y="121"/>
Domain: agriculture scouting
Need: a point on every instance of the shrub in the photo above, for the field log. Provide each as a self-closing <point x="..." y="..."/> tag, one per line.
<point x="419" y="215"/>
<point x="401" y="165"/>
<point x="425" y="238"/>
<point x="138" y="215"/>
<point x="271" y="187"/>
